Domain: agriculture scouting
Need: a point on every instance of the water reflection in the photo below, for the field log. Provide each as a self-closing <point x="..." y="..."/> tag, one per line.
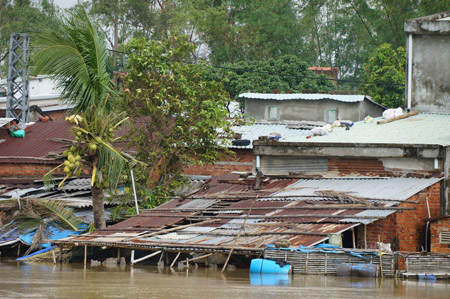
<point x="260" y="279"/>
<point x="67" y="281"/>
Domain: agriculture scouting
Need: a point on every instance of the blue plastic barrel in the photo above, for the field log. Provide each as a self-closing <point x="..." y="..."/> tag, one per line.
<point x="268" y="267"/>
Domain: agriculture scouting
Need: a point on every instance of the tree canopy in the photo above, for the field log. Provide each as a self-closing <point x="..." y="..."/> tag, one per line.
<point x="180" y="117"/>
<point x="386" y="65"/>
<point x="75" y="55"/>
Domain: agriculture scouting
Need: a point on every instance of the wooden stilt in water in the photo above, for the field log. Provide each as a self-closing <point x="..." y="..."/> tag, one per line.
<point x="118" y="254"/>
<point x="365" y="236"/>
<point x="167" y="258"/>
<point x="132" y="258"/>
<point x="381" y="256"/>
<point x="54" y="256"/>
<point x="60" y="253"/>
<point x="85" y="254"/>
<point x="160" y="258"/>
<point x="353" y="237"/>
<point x="175" y="259"/>
<point x="18" y="250"/>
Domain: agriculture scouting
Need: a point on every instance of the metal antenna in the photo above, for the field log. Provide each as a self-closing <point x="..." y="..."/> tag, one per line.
<point x="17" y="97"/>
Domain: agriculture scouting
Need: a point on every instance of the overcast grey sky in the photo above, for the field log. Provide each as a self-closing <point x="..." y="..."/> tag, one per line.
<point x="65" y="3"/>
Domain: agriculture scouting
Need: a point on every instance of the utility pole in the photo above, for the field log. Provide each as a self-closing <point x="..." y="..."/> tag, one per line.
<point x="17" y="96"/>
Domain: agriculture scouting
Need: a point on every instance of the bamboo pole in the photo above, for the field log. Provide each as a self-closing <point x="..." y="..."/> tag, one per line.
<point x="385" y="121"/>
<point x="85" y="254"/>
<point x="175" y="259"/>
<point x="145" y="257"/>
<point x="199" y="257"/>
<point x="132" y="258"/>
<point x="237" y="237"/>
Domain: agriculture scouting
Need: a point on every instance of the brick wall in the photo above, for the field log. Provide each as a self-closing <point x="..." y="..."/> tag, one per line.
<point x="372" y="167"/>
<point x="57" y="114"/>
<point x="242" y="161"/>
<point x="405" y="229"/>
<point x="25" y="170"/>
<point x="436" y="227"/>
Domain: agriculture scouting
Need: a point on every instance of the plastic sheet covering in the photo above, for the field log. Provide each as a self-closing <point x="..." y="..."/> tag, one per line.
<point x="55" y="233"/>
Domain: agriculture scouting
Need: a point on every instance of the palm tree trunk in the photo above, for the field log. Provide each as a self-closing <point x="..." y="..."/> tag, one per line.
<point x="98" y="208"/>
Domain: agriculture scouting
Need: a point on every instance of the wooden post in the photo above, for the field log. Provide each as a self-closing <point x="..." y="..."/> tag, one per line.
<point x="238" y="235"/>
<point x="160" y="258"/>
<point x="365" y="236"/>
<point x="176" y="258"/>
<point x="167" y="258"/>
<point x="132" y="258"/>
<point x="85" y="254"/>
<point x="118" y="254"/>
<point x="353" y="237"/>
<point x="60" y="253"/>
<point x="54" y="257"/>
<point x="18" y="250"/>
<point x="379" y="253"/>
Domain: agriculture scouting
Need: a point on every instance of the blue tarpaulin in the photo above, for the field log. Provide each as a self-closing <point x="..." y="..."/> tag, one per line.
<point x="55" y="233"/>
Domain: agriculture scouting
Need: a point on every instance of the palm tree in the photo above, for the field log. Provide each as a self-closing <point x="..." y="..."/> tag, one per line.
<point x="76" y="56"/>
<point x="38" y="215"/>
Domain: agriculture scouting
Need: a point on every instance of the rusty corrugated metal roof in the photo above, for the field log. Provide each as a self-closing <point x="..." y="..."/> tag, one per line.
<point x="38" y="142"/>
<point x="212" y="219"/>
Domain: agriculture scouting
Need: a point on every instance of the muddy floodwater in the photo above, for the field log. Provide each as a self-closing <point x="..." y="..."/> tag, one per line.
<point x="31" y="280"/>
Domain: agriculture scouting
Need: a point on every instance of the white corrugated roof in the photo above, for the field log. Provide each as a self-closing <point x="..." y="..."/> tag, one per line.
<point x="303" y="96"/>
<point x="373" y="189"/>
<point x="425" y="128"/>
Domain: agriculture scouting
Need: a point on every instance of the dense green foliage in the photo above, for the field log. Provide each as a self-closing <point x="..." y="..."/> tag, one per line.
<point x="386" y="65"/>
<point x="264" y="76"/>
<point x="75" y="55"/>
<point x="22" y="16"/>
<point x="179" y="116"/>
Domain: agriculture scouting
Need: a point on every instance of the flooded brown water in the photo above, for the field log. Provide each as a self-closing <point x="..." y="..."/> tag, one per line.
<point x="28" y="280"/>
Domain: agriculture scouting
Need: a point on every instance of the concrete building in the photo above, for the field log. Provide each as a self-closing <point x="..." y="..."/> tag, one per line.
<point x="418" y="146"/>
<point x="311" y="107"/>
<point x="428" y="63"/>
<point x="43" y="92"/>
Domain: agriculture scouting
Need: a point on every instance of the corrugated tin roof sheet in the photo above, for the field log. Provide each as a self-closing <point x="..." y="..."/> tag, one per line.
<point x="36" y="144"/>
<point x="283" y="209"/>
<point x="422" y="129"/>
<point x="398" y="189"/>
<point x="303" y="96"/>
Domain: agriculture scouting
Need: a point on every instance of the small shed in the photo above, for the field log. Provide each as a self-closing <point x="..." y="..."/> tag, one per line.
<point x="440" y="235"/>
<point x="311" y="107"/>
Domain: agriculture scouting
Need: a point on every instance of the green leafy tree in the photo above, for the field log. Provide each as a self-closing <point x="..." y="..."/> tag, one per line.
<point x="386" y="65"/>
<point x="22" y="16"/>
<point x="284" y="74"/>
<point x="76" y="56"/>
<point x="179" y="116"/>
<point x="246" y="30"/>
